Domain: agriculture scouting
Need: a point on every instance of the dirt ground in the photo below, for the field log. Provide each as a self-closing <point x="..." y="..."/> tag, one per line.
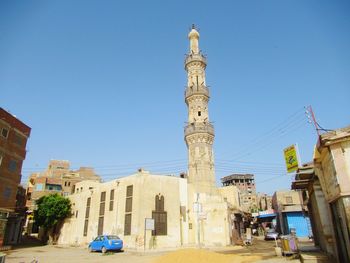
<point x="260" y="251"/>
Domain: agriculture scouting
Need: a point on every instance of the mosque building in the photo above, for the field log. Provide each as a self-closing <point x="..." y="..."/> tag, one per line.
<point x="151" y="211"/>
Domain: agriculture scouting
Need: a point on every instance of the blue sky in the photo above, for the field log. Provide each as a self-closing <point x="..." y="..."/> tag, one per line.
<point x="101" y="83"/>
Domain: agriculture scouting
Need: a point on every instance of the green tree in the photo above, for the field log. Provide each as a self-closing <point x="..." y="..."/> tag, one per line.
<point x="50" y="214"/>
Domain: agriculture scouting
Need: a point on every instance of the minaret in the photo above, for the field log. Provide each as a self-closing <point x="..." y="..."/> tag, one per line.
<point x="199" y="132"/>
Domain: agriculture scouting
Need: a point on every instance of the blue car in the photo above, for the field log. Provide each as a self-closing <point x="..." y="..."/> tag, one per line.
<point x="106" y="242"/>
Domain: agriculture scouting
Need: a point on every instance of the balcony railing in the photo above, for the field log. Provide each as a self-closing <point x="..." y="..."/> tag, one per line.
<point x="195" y="57"/>
<point x="200" y="90"/>
<point x="204" y="127"/>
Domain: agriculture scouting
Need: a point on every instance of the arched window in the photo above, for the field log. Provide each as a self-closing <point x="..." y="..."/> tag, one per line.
<point x="160" y="217"/>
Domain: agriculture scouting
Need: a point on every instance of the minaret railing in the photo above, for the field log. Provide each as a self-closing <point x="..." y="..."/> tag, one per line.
<point x="197" y="90"/>
<point x="195" y="57"/>
<point x="201" y="127"/>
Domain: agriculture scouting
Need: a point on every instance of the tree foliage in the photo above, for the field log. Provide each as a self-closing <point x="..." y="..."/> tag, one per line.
<point x="51" y="210"/>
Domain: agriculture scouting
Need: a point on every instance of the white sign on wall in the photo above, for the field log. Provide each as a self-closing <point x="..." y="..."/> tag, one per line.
<point x="149" y="223"/>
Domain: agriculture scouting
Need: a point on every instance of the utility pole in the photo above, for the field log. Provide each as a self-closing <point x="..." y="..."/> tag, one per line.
<point x="312" y="118"/>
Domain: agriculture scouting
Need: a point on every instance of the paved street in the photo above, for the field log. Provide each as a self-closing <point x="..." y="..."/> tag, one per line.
<point x="260" y="251"/>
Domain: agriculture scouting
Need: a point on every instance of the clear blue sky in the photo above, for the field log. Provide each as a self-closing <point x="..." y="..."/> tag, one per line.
<point x="101" y="83"/>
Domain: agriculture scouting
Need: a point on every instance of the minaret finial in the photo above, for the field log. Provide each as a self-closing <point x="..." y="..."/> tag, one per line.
<point x="194" y="37"/>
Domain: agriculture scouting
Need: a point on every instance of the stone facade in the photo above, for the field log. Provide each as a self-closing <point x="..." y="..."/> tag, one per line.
<point x="332" y="166"/>
<point x="199" y="133"/>
<point x="112" y="215"/>
<point x="208" y="212"/>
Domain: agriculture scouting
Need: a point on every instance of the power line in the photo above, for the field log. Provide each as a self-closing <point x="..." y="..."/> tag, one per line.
<point x="282" y="125"/>
<point x="265" y="145"/>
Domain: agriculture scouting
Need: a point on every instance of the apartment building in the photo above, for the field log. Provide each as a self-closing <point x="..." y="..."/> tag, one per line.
<point x="247" y="190"/>
<point x="13" y="140"/>
<point x="57" y="178"/>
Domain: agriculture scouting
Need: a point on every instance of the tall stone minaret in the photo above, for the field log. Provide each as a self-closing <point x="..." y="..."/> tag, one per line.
<point x="199" y="132"/>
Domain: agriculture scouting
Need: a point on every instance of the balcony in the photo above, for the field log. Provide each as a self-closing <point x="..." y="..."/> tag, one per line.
<point x="204" y="127"/>
<point x="197" y="90"/>
<point x="195" y="57"/>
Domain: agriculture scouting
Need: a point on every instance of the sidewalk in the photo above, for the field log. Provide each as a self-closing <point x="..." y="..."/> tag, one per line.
<point x="309" y="253"/>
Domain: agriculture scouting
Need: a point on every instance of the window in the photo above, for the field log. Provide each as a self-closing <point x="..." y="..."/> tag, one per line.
<point x="87" y="214"/>
<point x="160" y="217"/>
<point x="103" y="196"/>
<point x="100" y="225"/>
<point x="86" y="223"/>
<point x="102" y="213"/>
<point x="18" y="139"/>
<point x="128" y="205"/>
<point x="102" y="209"/>
<point x="199" y="114"/>
<point x="127" y="225"/>
<point x="12" y="166"/>
<point x="39" y="187"/>
<point x="289" y="200"/>
<point x="4" y="132"/>
<point x="128" y="210"/>
<point x="7" y="192"/>
<point x="111" y="200"/>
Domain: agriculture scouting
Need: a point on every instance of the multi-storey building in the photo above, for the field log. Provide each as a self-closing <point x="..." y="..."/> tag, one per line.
<point x="57" y="178"/>
<point x="246" y="185"/>
<point x="13" y="140"/>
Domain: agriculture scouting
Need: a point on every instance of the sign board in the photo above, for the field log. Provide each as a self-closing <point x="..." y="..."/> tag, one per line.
<point x="291" y="158"/>
<point x="149" y="223"/>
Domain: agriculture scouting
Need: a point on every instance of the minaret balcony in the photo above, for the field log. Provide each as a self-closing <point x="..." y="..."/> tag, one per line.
<point x="197" y="90"/>
<point x="201" y="127"/>
<point x="195" y="57"/>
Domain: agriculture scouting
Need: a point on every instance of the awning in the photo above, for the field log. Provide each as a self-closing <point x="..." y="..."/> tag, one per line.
<point x="267" y="215"/>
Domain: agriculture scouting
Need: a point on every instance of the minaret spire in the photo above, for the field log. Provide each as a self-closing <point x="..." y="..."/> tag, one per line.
<point x="199" y="133"/>
<point x="193" y="36"/>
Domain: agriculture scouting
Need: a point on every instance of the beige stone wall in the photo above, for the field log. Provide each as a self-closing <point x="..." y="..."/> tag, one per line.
<point x="288" y="197"/>
<point x="332" y="163"/>
<point x="211" y="221"/>
<point x="231" y="195"/>
<point x="213" y="224"/>
<point x="145" y="188"/>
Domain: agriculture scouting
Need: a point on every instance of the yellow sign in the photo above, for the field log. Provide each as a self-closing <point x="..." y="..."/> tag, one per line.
<point x="291" y="157"/>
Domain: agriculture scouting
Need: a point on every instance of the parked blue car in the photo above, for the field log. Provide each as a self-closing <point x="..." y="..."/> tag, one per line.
<point x="106" y="242"/>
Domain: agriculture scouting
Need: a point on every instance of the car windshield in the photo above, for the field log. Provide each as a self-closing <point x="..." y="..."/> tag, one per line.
<point x="113" y="237"/>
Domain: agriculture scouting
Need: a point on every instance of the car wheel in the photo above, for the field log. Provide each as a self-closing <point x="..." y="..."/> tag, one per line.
<point x="104" y="250"/>
<point x="90" y="249"/>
